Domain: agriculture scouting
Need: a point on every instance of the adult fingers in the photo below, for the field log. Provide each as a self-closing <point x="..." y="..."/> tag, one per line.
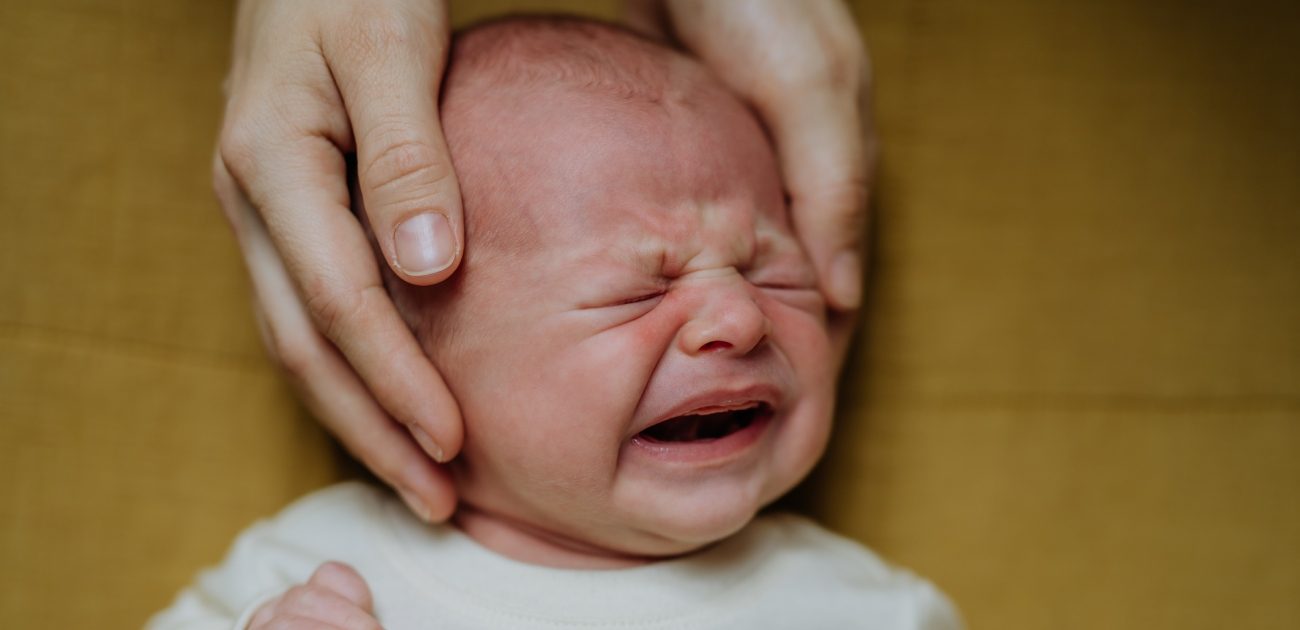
<point x="824" y="153"/>
<point x="326" y="382"/>
<point x="304" y="202"/>
<point x="387" y="62"/>
<point x="283" y="141"/>
<point x="802" y="65"/>
<point x="388" y="66"/>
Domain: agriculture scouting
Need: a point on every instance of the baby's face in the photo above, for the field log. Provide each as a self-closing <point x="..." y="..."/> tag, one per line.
<point x="638" y="349"/>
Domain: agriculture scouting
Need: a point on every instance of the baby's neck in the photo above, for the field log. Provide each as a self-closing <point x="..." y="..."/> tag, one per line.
<point x="527" y="543"/>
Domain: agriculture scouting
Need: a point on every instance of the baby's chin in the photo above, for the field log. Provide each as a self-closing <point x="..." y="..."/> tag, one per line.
<point x="618" y="540"/>
<point x="670" y="534"/>
<point x="677" y="539"/>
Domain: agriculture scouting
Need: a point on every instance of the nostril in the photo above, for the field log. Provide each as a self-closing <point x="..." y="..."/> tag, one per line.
<point x="714" y="345"/>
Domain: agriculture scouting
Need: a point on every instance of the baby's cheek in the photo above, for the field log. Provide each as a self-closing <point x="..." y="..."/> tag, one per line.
<point x="655" y="332"/>
<point x="805" y="339"/>
<point x="612" y="367"/>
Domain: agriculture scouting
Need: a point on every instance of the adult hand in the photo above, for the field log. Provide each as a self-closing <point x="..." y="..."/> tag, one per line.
<point x="311" y="82"/>
<point x="803" y="67"/>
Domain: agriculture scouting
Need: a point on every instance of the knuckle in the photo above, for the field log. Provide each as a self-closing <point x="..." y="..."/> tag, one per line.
<point x="228" y="194"/>
<point x="294" y="356"/>
<point x="289" y="349"/>
<point x="404" y="161"/>
<point x="220" y="172"/>
<point x="376" y="29"/>
<point x="845" y="55"/>
<point x="851" y="194"/>
<point x="845" y="197"/>
<point x="837" y="210"/>
<point x="335" y="310"/>
<point x="851" y="204"/>
<point x="237" y="147"/>
<point x="839" y="64"/>
<point x="328" y="307"/>
<point x="387" y="467"/>
<point x="294" y="350"/>
<point x="839" y="70"/>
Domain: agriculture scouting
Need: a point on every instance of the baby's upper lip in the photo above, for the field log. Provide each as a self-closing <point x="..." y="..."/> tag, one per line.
<point x="716" y="400"/>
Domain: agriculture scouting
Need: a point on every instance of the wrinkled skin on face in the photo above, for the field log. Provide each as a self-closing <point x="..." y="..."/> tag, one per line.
<point x="627" y="260"/>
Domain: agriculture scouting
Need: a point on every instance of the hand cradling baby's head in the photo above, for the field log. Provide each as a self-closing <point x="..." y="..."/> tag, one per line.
<point x="634" y="334"/>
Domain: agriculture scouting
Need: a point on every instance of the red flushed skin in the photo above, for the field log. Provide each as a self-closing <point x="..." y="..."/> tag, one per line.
<point x="629" y="263"/>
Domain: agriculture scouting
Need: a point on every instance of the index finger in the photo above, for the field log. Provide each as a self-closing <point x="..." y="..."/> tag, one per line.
<point x="303" y="200"/>
<point x="826" y="148"/>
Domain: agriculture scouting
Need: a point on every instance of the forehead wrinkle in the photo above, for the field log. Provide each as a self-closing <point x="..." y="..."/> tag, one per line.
<point x="661" y="211"/>
<point x="528" y="182"/>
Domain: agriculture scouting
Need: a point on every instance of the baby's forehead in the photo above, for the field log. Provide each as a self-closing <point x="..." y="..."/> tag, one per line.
<point x="574" y="133"/>
<point x="537" y="169"/>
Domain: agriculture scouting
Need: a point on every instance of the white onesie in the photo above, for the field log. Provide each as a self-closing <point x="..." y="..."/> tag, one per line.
<point x="780" y="571"/>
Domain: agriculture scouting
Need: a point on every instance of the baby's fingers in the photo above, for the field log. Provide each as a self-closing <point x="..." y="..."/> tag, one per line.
<point x="334" y="597"/>
<point x="343" y="580"/>
<point x="295" y="622"/>
<point x="302" y="607"/>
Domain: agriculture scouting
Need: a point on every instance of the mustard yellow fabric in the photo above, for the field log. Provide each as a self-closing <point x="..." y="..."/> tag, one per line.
<point x="1075" y="403"/>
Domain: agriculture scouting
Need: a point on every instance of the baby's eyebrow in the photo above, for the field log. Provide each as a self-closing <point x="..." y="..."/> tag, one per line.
<point x="602" y="280"/>
<point x="647" y="257"/>
<point x="617" y="267"/>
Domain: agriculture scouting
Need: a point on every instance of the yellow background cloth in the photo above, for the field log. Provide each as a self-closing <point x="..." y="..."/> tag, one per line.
<point x="1075" y="402"/>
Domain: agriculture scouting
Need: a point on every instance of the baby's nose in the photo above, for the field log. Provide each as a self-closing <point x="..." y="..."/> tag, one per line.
<point x="726" y="319"/>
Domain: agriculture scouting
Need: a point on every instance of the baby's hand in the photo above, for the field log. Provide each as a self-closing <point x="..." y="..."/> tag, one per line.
<point x="334" y="597"/>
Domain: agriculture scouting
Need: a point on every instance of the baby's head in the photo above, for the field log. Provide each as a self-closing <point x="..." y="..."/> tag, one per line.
<point x="634" y="335"/>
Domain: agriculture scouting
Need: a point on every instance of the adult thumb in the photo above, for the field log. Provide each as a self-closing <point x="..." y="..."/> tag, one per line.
<point x="412" y="199"/>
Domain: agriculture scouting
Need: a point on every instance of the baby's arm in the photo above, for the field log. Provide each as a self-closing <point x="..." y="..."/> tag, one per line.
<point x="334" y="597"/>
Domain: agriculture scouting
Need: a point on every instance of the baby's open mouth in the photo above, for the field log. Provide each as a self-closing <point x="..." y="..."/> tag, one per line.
<point x="705" y="425"/>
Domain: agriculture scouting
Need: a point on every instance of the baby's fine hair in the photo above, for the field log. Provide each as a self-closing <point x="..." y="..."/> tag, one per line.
<point x="531" y="52"/>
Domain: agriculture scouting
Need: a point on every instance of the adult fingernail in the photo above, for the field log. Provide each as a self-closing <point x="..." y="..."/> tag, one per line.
<point x="415" y="504"/>
<point x="428" y="444"/>
<point x="846" y="280"/>
<point x="424" y="244"/>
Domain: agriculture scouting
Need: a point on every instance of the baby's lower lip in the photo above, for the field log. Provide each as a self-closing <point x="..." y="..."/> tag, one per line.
<point x="709" y="450"/>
